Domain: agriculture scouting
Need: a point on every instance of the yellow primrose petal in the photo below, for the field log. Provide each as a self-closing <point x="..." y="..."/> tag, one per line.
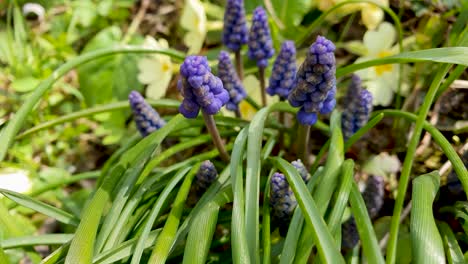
<point x="381" y="94"/>
<point x="372" y="16"/>
<point x="146" y="68"/>
<point x="381" y="39"/>
<point x="247" y="111"/>
<point x="193" y="20"/>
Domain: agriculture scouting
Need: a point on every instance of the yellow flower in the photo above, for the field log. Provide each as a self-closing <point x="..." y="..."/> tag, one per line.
<point x="371" y="15"/>
<point x="155" y="70"/>
<point x="193" y="20"/>
<point x="252" y="88"/>
<point x="381" y="80"/>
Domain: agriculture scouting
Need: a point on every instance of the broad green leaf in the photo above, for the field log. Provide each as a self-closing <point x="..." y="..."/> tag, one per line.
<point x="452" y="248"/>
<point x="291" y="12"/>
<point x="25" y="84"/>
<point x="425" y="237"/>
<point x="107" y="79"/>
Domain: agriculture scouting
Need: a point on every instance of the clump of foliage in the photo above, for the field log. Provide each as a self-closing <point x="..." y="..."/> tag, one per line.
<point x="299" y="176"/>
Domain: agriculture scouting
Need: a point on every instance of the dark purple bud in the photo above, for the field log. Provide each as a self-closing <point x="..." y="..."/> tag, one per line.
<point x="200" y="88"/>
<point x="206" y="175"/>
<point x="301" y="169"/>
<point x="235" y="33"/>
<point x="260" y="43"/>
<point x="231" y="81"/>
<point x="373" y="195"/>
<point x="315" y="83"/>
<point x="282" y="198"/>
<point x="284" y="71"/>
<point x="357" y="109"/>
<point x="146" y="118"/>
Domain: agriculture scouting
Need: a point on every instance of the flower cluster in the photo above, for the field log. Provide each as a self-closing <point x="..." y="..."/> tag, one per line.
<point x="200" y="88"/>
<point x="301" y="169"/>
<point x="315" y="83"/>
<point x="235" y="33"/>
<point x="284" y="71"/>
<point x="358" y="107"/>
<point x="146" y="118"/>
<point x="260" y="43"/>
<point x="282" y="198"/>
<point x="231" y="81"/>
<point x="374" y="195"/>
<point x="206" y="175"/>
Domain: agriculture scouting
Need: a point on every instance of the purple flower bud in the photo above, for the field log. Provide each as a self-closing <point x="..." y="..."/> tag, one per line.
<point x="231" y="81"/>
<point x="373" y="195"/>
<point x="349" y="234"/>
<point x="315" y="82"/>
<point x="284" y="71"/>
<point x="282" y="198"/>
<point x="301" y="169"/>
<point x="200" y="88"/>
<point x="260" y="43"/>
<point x="357" y="110"/>
<point x="235" y="33"/>
<point x="146" y="118"/>
<point x="206" y="175"/>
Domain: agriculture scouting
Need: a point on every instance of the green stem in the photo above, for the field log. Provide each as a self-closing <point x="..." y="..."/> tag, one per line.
<point x="261" y="76"/>
<point x="303" y="144"/>
<point x="408" y="162"/>
<point x="239" y="65"/>
<point x="211" y="126"/>
<point x="13" y="127"/>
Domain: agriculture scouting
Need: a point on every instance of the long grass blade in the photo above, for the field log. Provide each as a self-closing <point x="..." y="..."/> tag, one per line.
<point x="167" y="237"/>
<point x="240" y="252"/>
<point x="427" y="245"/>
<point x="369" y="241"/>
<point x="327" y="249"/>
<point x="41" y="207"/>
<point x="452" y="248"/>
<point x="3" y="257"/>
<point x="28" y="241"/>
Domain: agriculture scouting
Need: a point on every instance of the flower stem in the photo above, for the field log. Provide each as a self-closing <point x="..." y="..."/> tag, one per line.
<point x="303" y="144"/>
<point x="261" y="73"/>
<point x="238" y="113"/>
<point x="239" y="66"/>
<point x="211" y="125"/>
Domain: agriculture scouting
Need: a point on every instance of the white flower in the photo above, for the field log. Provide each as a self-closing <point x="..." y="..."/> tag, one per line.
<point x="193" y="20"/>
<point x="15" y="180"/>
<point x="381" y="80"/>
<point x="155" y="70"/>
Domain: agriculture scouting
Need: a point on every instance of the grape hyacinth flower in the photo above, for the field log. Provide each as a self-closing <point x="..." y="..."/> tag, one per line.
<point x="146" y="118"/>
<point x="260" y="45"/>
<point x="358" y="107"/>
<point x="373" y="195"/>
<point x="231" y="82"/>
<point x="315" y="83"/>
<point x="206" y="175"/>
<point x="349" y="234"/>
<point x="301" y="169"/>
<point x="284" y="71"/>
<point x="202" y="90"/>
<point x="282" y="198"/>
<point x="235" y="32"/>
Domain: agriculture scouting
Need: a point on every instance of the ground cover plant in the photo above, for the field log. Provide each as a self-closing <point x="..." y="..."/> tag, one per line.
<point x="233" y="132"/>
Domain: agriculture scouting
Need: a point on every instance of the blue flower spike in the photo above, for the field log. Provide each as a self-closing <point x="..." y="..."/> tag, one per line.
<point x="235" y="32"/>
<point x="315" y="82"/>
<point x="284" y="71"/>
<point x="146" y="118"/>
<point x="231" y="82"/>
<point x="202" y="90"/>
<point x="206" y="175"/>
<point x="282" y="198"/>
<point x="260" y="46"/>
<point x="357" y="109"/>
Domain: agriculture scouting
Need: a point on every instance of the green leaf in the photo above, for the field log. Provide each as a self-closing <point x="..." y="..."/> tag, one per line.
<point x="327" y="248"/>
<point x="424" y="232"/>
<point x="291" y="12"/>
<point x="108" y="78"/>
<point x="28" y="241"/>
<point x="452" y="249"/>
<point x="25" y="84"/>
<point x="3" y="257"/>
<point x="41" y="207"/>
